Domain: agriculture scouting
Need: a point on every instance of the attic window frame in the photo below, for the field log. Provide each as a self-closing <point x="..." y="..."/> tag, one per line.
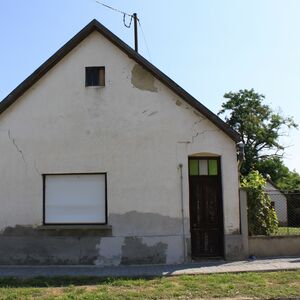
<point x="95" y="76"/>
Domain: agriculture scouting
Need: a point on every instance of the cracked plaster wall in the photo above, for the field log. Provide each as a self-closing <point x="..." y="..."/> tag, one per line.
<point x="136" y="132"/>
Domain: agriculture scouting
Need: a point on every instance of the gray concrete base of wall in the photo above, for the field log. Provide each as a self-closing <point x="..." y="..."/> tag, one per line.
<point x="34" y="247"/>
<point x="234" y="247"/>
<point x="266" y="246"/>
<point x="29" y="246"/>
<point x="103" y="251"/>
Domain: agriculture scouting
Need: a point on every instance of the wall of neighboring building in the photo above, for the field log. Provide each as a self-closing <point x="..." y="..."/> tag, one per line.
<point x="134" y="129"/>
<point x="280" y="203"/>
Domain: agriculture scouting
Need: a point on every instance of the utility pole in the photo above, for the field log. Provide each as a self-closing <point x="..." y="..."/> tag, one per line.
<point x="135" y="18"/>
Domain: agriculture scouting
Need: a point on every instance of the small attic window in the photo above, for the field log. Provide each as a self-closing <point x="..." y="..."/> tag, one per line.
<point x="95" y="76"/>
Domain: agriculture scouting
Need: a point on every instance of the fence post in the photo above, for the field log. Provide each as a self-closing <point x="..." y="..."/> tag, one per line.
<point x="244" y="220"/>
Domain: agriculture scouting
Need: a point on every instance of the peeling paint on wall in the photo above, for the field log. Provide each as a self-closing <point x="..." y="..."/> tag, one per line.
<point x="51" y="250"/>
<point x="198" y="114"/>
<point x="32" y="245"/>
<point x="142" y="79"/>
<point x="141" y="224"/>
<point x="134" y="251"/>
<point x="173" y="256"/>
<point x="110" y="251"/>
<point x="178" y="103"/>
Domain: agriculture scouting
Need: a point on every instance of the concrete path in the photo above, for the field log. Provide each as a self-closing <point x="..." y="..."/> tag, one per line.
<point x="274" y="264"/>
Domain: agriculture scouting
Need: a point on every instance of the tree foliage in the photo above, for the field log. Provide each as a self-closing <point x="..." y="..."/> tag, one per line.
<point x="275" y="169"/>
<point x="289" y="183"/>
<point x="259" y="126"/>
<point x="262" y="218"/>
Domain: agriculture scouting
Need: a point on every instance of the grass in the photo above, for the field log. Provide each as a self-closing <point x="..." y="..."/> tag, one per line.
<point x="260" y="285"/>
<point x="288" y="231"/>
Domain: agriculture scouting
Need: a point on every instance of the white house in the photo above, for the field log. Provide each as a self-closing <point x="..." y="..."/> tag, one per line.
<point x="105" y="160"/>
<point x="278" y="201"/>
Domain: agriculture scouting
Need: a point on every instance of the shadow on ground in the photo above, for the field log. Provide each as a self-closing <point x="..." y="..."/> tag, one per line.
<point x="65" y="281"/>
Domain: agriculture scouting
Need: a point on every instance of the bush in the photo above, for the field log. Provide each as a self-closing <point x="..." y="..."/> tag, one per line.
<point x="262" y="218"/>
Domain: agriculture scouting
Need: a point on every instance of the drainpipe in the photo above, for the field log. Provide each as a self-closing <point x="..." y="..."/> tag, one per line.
<point x="182" y="213"/>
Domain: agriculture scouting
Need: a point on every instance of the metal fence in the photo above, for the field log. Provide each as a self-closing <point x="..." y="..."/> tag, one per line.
<point x="286" y="207"/>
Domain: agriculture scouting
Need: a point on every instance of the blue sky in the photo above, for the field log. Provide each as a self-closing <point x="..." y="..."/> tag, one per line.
<point x="209" y="47"/>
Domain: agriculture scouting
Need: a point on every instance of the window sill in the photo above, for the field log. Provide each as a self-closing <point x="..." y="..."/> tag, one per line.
<point x="72" y="227"/>
<point x="75" y="230"/>
<point x="95" y="86"/>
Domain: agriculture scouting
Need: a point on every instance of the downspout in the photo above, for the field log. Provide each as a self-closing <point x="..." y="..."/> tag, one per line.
<point x="182" y="213"/>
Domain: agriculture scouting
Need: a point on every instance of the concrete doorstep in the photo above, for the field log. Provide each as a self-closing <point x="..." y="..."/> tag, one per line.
<point x="207" y="267"/>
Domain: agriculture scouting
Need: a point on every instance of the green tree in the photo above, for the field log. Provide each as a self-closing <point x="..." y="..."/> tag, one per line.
<point x="289" y="183"/>
<point x="274" y="168"/>
<point x="259" y="126"/>
<point x="284" y="179"/>
<point x="262" y="218"/>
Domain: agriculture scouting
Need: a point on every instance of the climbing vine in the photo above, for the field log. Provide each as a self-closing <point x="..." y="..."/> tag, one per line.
<point x="262" y="218"/>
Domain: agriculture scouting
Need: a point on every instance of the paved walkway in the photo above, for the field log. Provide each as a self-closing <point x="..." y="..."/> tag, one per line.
<point x="274" y="264"/>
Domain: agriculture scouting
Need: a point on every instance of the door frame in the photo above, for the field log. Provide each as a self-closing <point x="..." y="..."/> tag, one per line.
<point x="220" y="179"/>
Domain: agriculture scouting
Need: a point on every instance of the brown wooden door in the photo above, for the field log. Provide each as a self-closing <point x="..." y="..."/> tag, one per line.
<point x="206" y="217"/>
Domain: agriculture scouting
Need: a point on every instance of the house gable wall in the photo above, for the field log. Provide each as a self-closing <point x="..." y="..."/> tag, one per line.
<point x="134" y="128"/>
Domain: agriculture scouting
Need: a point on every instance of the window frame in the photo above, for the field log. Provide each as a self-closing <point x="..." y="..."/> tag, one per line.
<point x="99" y="69"/>
<point x="72" y="224"/>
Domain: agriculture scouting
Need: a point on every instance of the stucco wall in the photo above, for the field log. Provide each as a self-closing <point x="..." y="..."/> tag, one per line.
<point x="134" y="128"/>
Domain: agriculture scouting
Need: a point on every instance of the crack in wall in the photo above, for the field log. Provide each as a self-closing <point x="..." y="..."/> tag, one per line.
<point x="195" y="129"/>
<point x="201" y="133"/>
<point x="16" y="146"/>
<point x="36" y="169"/>
<point x="198" y="132"/>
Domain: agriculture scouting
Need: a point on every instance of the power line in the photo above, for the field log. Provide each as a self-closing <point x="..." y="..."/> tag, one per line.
<point x="144" y="38"/>
<point x="117" y="10"/>
<point x="121" y="12"/>
<point x="124" y="22"/>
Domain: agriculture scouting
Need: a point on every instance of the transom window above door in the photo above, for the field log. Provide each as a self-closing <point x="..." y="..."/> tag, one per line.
<point x="203" y="167"/>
